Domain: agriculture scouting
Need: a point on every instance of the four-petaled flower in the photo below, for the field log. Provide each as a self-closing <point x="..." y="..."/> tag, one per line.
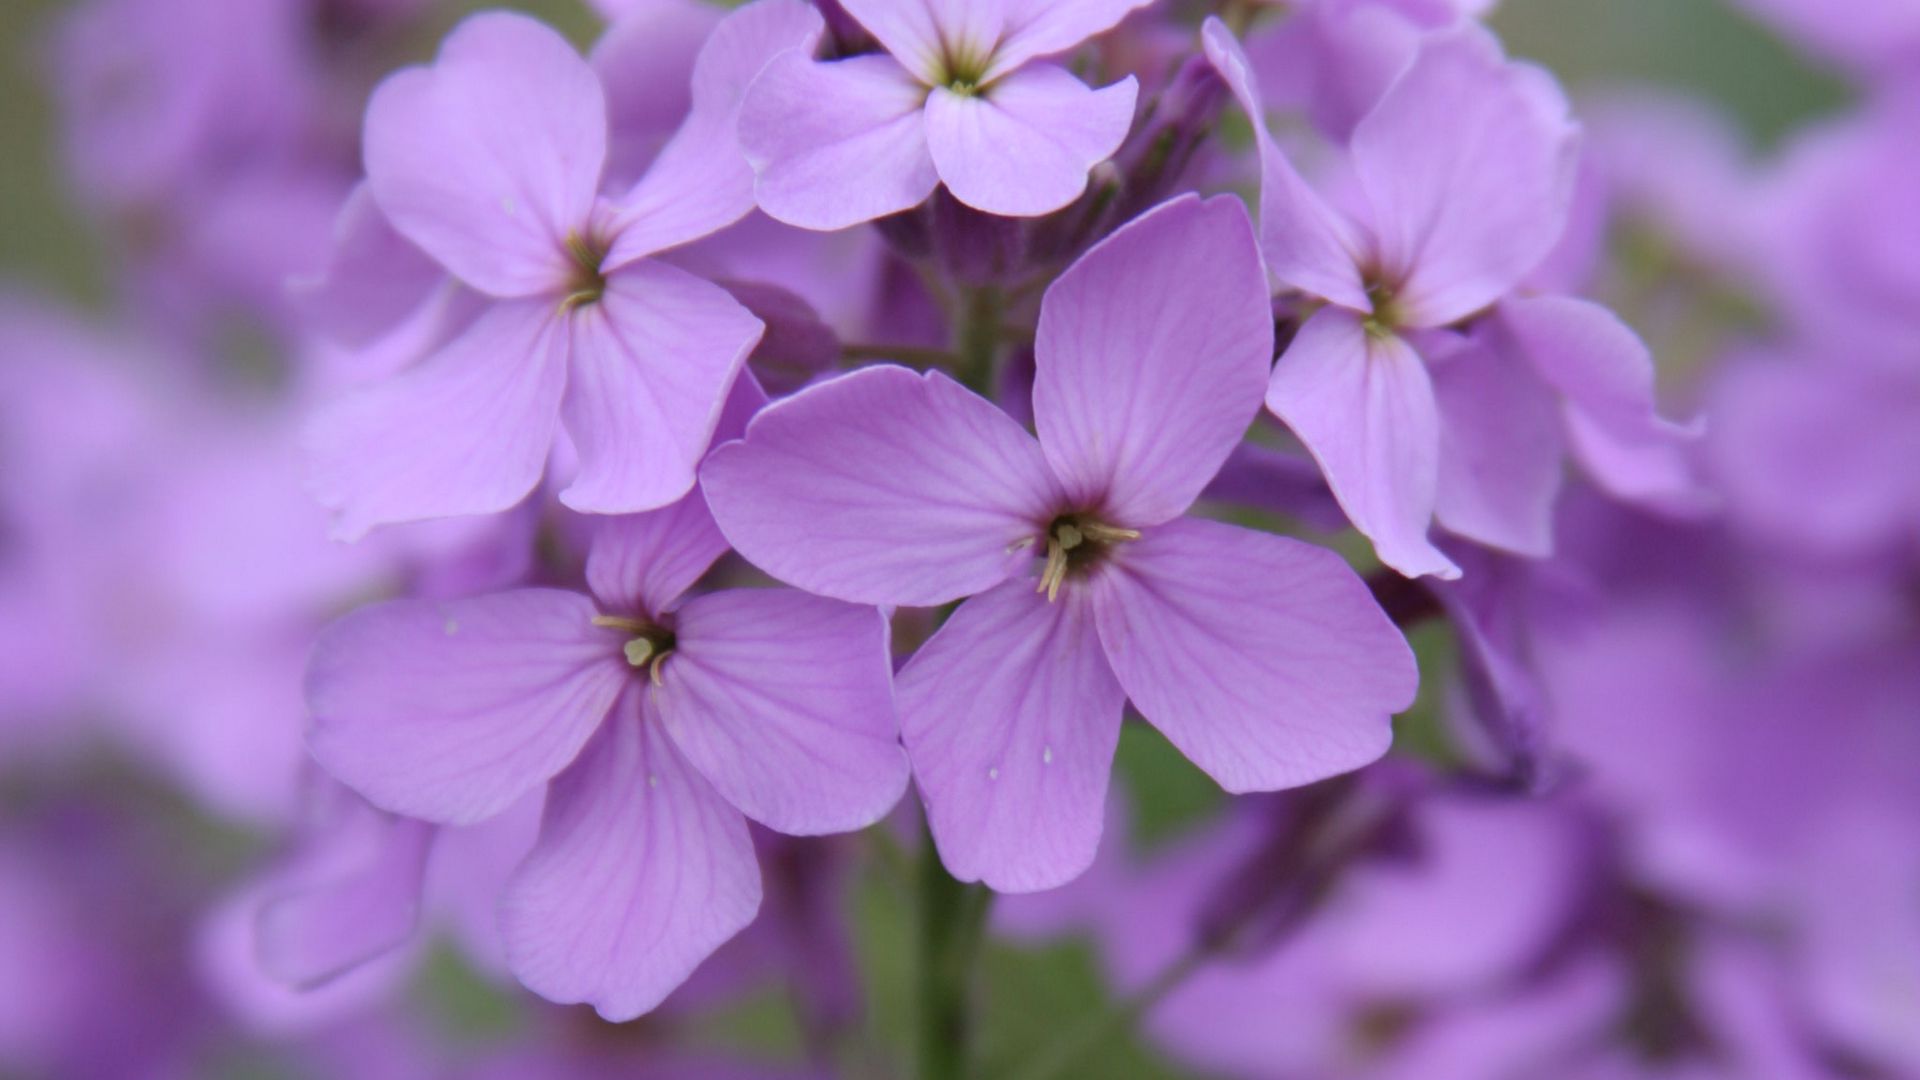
<point x="959" y="97"/>
<point x="490" y="161"/>
<point x="1461" y="177"/>
<point x="663" y="721"/>
<point x="1265" y="660"/>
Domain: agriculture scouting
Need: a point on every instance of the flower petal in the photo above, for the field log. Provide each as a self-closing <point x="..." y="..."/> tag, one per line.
<point x="1501" y="450"/>
<point x="491" y="157"/>
<point x="911" y="29"/>
<point x="1153" y="353"/>
<point x="836" y="144"/>
<point x="1265" y="660"/>
<point x="640" y="872"/>
<point x="352" y="895"/>
<point x="1011" y="717"/>
<point x="641" y="563"/>
<point x="652" y="362"/>
<point x="924" y="35"/>
<point x="1607" y="377"/>
<point x="784" y="702"/>
<point x="451" y="710"/>
<point x="1802" y="451"/>
<point x="1468" y="163"/>
<point x="1307" y="244"/>
<point x="701" y="181"/>
<point x="883" y="486"/>
<point x="373" y="278"/>
<point x="1362" y="404"/>
<point x="1045" y="27"/>
<point x="1022" y="147"/>
<point x="466" y="431"/>
<point x="645" y="61"/>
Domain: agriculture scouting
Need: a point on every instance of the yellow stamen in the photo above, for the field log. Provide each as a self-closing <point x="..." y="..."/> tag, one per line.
<point x="1107" y="534"/>
<point x="1073" y="541"/>
<point x="653" y="672"/>
<point x="580" y="298"/>
<point x="621" y="622"/>
<point x="639" y="651"/>
<point x="1055" y="571"/>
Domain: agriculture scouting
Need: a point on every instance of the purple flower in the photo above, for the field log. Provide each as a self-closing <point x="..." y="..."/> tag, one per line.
<point x="958" y="98"/>
<point x="1445" y="915"/>
<point x="1333" y="59"/>
<point x="490" y="161"/>
<point x="1264" y="659"/>
<point x="663" y="723"/>
<point x="1461" y="181"/>
<point x="1837" y="232"/>
<point x="1805" y="451"/>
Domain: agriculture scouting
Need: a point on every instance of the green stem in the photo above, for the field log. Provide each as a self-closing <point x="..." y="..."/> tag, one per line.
<point x="977" y="337"/>
<point x="952" y="919"/>
<point x="914" y="356"/>
<point x="1239" y="15"/>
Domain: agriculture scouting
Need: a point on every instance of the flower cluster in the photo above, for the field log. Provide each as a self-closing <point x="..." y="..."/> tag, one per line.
<point x="639" y="527"/>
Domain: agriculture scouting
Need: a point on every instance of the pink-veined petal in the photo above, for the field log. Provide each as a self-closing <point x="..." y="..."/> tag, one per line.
<point x="701" y="181"/>
<point x="640" y="872"/>
<point x="451" y="710"/>
<point x="1468" y="164"/>
<point x="1307" y="244"/>
<point x="466" y="431"/>
<point x="1362" y="404"/>
<point x="784" y="702"/>
<point x="491" y="157"/>
<point x="883" y="486"/>
<point x="1501" y="451"/>
<point x="1044" y="27"/>
<point x="1022" y="147"/>
<point x="652" y="361"/>
<point x="836" y="144"/>
<point x="641" y="563"/>
<point x="1153" y="353"/>
<point x="1264" y="659"/>
<point x="1011" y="717"/>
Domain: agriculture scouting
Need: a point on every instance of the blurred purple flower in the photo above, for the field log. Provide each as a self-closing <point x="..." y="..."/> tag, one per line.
<point x="1333" y="59"/>
<point x="1405" y="940"/>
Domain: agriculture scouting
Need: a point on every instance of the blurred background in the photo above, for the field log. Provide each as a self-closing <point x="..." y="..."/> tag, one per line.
<point x="133" y="839"/>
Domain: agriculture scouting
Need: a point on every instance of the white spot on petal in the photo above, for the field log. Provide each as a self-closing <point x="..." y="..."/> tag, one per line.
<point x="451" y="626"/>
<point x="509" y="207"/>
<point x="993" y="773"/>
<point x="1046" y="756"/>
<point x="653" y="780"/>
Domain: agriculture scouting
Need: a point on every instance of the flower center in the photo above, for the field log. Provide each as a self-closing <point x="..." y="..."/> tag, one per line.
<point x="1384" y="319"/>
<point x="648" y="643"/>
<point x="587" y="284"/>
<point x="963" y="67"/>
<point x="1076" y="543"/>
